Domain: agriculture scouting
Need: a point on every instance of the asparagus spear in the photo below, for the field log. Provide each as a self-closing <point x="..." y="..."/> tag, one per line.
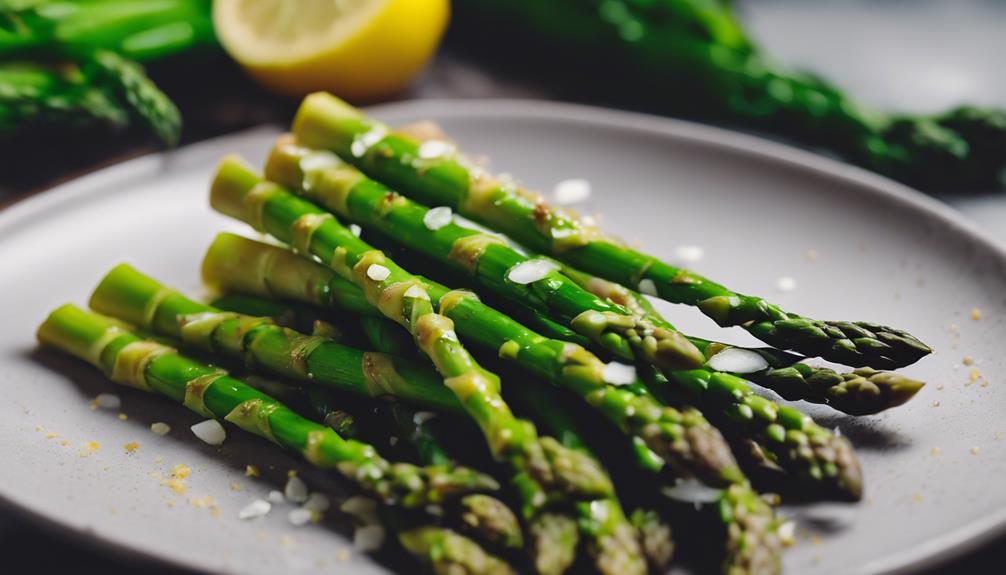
<point x="448" y="553"/>
<point x="682" y="439"/>
<point x="346" y="192"/>
<point x="486" y="516"/>
<point x="544" y="471"/>
<point x="151" y="366"/>
<point x="326" y="122"/>
<point x="862" y="391"/>
<point x="691" y="57"/>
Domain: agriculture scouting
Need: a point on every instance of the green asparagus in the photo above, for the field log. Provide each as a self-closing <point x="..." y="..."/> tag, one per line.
<point x="682" y="439"/>
<point x="151" y="366"/>
<point x="347" y="193"/>
<point x="691" y="57"/>
<point x="860" y="392"/>
<point x="544" y="472"/>
<point x="447" y="179"/>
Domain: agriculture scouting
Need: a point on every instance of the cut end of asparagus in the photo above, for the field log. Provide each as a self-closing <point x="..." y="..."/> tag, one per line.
<point x="233" y="181"/>
<point x="753" y="543"/>
<point x="448" y="553"/>
<point x="125" y="293"/>
<point x="319" y="122"/>
<point x="492" y="520"/>
<point x="75" y="331"/>
<point x="554" y="539"/>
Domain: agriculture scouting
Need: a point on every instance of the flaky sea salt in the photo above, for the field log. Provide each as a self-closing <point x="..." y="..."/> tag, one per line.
<point x="619" y="373"/>
<point x="737" y="360"/>
<point x="438" y="217"/>
<point x="295" y="489"/>
<point x="530" y="271"/>
<point x="255" y="509"/>
<point x="572" y="191"/>
<point x="378" y="273"/>
<point x="210" y="431"/>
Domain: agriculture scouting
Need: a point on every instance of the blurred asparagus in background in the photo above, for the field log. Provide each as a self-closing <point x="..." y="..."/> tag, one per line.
<point x="77" y="64"/>
<point x="693" y="58"/>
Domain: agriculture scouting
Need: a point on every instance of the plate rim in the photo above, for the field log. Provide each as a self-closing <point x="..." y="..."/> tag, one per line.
<point x="928" y="554"/>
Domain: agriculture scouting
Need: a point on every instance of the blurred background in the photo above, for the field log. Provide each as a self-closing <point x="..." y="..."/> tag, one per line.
<point x="912" y="89"/>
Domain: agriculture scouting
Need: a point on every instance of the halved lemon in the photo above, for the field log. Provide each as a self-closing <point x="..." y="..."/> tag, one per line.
<point x="356" y="49"/>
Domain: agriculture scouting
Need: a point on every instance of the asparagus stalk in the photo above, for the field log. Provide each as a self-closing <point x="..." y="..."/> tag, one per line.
<point x="325" y="122"/>
<point x="862" y="391"/>
<point x="544" y="471"/>
<point x="151" y="366"/>
<point x="347" y="193"/>
<point x="486" y="516"/>
<point x="750" y="528"/>
<point x="682" y="439"/>
<point x="448" y="553"/>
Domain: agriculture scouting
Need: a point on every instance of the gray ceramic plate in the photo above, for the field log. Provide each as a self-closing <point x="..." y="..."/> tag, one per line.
<point x="857" y="246"/>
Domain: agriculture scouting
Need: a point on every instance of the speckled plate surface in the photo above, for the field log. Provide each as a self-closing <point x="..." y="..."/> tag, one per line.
<point x="856" y="246"/>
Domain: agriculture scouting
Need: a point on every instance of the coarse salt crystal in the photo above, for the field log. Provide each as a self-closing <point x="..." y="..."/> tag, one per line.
<point x="415" y="291"/>
<point x="255" y="509"/>
<point x="276" y="496"/>
<point x="438" y="217"/>
<point x="572" y="191"/>
<point x="299" y="517"/>
<point x="368" y="538"/>
<point x="692" y="491"/>
<point x="647" y="287"/>
<point x="378" y="273"/>
<point x="421" y="417"/>
<point x="318" y="160"/>
<point x="355" y="230"/>
<point x="787" y="533"/>
<point x="160" y="428"/>
<point x="295" y="489"/>
<point x="689" y="254"/>
<point x="363" y="508"/>
<point x="107" y="401"/>
<point x="431" y="149"/>
<point x="530" y="271"/>
<point x="619" y="373"/>
<point x="364" y="141"/>
<point x="317" y="502"/>
<point x="785" y="284"/>
<point x="737" y="360"/>
<point x="210" y="431"/>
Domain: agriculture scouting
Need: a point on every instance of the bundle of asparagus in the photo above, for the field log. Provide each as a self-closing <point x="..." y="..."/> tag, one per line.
<point x="572" y="335"/>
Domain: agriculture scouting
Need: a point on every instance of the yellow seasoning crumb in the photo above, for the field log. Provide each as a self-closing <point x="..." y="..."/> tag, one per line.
<point x="158" y="459"/>
<point x="89" y="448"/>
<point x="815" y="540"/>
<point x="131" y="447"/>
<point x="202" y="502"/>
<point x="342" y="555"/>
<point x="916" y="497"/>
<point x="235" y="486"/>
<point x="291" y="473"/>
<point x="975" y="450"/>
<point x="934" y="451"/>
<point x="985" y="383"/>
<point x="177" y="480"/>
<point x="122" y="417"/>
<point x="974" y="375"/>
<point x="286" y="541"/>
<point x="976" y="314"/>
<point x="968" y="360"/>
<point x="39" y="428"/>
<point x="251" y="471"/>
<point x="215" y="511"/>
<point x="51" y="435"/>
